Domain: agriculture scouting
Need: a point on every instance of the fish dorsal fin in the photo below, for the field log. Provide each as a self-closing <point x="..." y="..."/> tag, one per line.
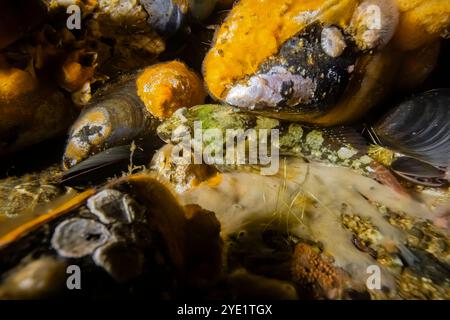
<point x="349" y="136"/>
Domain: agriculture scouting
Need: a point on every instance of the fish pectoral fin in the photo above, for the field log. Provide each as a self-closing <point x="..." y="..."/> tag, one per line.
<point x="419" y="172"/>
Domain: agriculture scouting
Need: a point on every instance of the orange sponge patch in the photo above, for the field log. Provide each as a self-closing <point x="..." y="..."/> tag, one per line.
<point x="167" y="87"/>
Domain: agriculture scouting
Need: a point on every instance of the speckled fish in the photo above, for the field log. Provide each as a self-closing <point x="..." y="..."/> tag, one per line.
<point x="325" y="62"/>
<point x="337" y="146"/>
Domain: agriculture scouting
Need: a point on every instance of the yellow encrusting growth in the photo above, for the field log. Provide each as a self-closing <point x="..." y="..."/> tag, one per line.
<point x="421" y="22"/>
<point x="215" y="180"/>
<point x="255" y="30"/>
<point x="167" y="87"/>
<point x="381" y="155"/>
<point x="15" y="82"/>
<point x="34" y="110"/>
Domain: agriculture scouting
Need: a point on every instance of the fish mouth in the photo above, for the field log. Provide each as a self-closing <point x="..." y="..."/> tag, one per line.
<point x="174" y="129"/>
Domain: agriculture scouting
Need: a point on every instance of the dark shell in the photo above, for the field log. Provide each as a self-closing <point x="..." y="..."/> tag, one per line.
<point x="165" y="16"/>
<point x="98" y="168"/>
<point x="330" y="73"/>
<point x="419" y="172"/>
<point x="130" y="238"/>
<point x="80" y="238"/>
<point x="420" y="128"/>
<point x="125" y="118"/>
<point x="310" y="72"/>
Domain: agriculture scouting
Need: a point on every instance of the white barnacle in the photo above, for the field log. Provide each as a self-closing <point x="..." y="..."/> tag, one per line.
<point x="374" y="23"/>
<point x="76" y="238"/>
<point x="180" y="132"/>
<point x="332" y="158"/>
<point x="110" y="206"/>
<point x="332" y="41"/>
<point x="356" y="164"/>
<point x="180" y="115"/>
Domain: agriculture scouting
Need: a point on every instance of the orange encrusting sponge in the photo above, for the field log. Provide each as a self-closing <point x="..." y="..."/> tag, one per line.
<point x="167" y="87"/>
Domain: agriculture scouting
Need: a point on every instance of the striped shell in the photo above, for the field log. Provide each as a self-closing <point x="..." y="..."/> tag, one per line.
<point x="420" y="128"/>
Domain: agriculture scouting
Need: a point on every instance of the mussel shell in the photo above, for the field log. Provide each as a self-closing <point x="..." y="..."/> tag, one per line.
<point x="419" y="128"/>
<point x="419" y="172"/>
<point x="131" y="237"/>
<point x="123" y="118"/>
<point x="130" y="108"/>
<point x="306" y="80"/>
<point x="299" y="61"/>
<point x="100" y="167"/>
<point x="167" y="17"/>
<point x="104" y="272"/>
